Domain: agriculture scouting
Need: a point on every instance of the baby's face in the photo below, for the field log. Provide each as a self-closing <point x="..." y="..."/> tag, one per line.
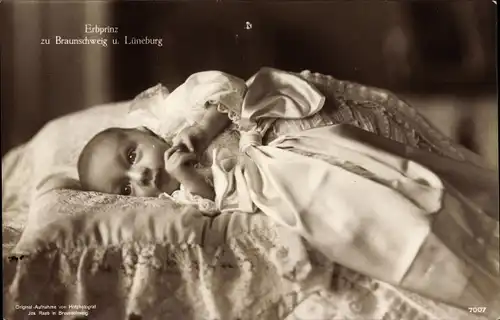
<point x="131" y="162"/>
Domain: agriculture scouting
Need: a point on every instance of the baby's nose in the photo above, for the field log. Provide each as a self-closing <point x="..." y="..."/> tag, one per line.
<point x="140" y="175"/>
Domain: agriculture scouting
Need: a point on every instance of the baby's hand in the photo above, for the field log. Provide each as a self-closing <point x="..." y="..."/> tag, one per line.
<point x="178" y="163"/>
<point x="191" y="138"/>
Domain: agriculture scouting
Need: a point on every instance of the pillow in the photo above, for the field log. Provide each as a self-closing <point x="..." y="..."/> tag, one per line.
<point x="64" y="217"/>
<point x="68" y="220"/>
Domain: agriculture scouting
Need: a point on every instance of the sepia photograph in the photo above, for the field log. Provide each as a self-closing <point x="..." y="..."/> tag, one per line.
<point x="240" y="160"/>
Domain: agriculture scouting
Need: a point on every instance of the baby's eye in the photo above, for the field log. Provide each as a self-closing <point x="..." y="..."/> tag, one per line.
<point x="126" y="190"/>
<point x="131" y="156"/>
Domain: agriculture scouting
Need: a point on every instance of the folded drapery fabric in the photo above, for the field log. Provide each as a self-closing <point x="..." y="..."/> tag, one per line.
<point x="367" y="208"/>
<point x="374" y="225"/>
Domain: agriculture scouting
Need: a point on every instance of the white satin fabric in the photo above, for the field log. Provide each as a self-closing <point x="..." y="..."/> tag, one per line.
<point x="363" y="207"/>
<point x="374" y="225"/>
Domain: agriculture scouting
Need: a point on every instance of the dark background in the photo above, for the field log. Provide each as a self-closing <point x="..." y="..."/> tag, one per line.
<point x="442" y="54"/>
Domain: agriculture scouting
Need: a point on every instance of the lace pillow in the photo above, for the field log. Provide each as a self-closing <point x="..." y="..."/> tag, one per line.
<point x="70" y="220"/>
<point x="65" y="218"/>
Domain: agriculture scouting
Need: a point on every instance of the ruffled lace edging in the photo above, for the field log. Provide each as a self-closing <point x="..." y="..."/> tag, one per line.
<point x="182" y="196"/>
<point x="231" y="114"/>
<point x="204" y="205"/>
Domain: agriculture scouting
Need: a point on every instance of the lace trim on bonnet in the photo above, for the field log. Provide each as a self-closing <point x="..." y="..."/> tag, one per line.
<point x="231" y="114"/>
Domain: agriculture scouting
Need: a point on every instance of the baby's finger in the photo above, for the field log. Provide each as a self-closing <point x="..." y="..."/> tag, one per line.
<point x="181" y="146"/>
<point x="187" y="157"/>
<point x="188" y="144"/>
<point x="171" y="151"/>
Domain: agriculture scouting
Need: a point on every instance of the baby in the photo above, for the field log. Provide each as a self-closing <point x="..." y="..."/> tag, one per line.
<point x="137" y="162"/>
<point x="310" y="181"/>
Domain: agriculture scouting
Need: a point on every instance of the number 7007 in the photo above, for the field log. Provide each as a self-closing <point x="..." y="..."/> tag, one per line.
<point x="477" y="309"/>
